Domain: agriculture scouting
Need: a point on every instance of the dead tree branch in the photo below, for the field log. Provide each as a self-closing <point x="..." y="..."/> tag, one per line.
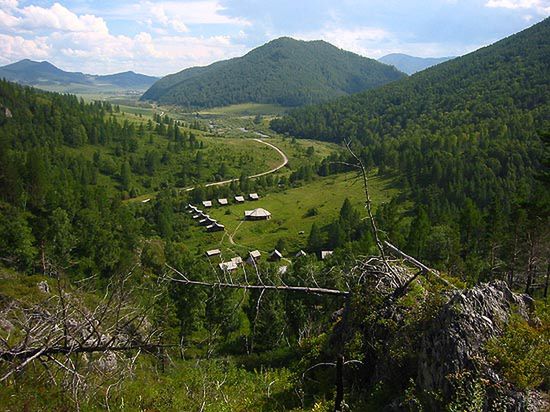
<point x="79" y="347"/>
<point x="423" y="268"/>
<point x="284" y="288"/>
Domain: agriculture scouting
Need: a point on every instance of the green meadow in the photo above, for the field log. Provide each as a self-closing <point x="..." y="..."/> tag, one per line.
<point x="293" y="211"/>
<point x="246" y="109"/>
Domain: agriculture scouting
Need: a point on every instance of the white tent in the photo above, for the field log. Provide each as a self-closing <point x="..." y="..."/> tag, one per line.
<point x="257" y="214"/>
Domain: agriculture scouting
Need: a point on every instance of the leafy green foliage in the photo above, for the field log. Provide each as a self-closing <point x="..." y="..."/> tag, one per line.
<point x="465" y="139"/>
<point x="284" y="71"/>
<point x="522" y="353"/>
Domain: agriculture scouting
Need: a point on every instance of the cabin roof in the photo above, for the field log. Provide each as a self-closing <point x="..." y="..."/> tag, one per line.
<point x="259" y="212"/>
<point x="255" y="254"/>
<point x="237" y="260"/>
<point x="276" y="254"/>
<point x="282" y="270"/>
<point x="213" y="252"/>
<point x="300" y="253"/>
<point x="326" y="253"/>
<point x="227" y="266"/>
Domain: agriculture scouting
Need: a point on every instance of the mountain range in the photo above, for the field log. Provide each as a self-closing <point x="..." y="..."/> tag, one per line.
<point x="284" y="71"/>
<point x="411" y="64"/>
<point x="41" y="74"/>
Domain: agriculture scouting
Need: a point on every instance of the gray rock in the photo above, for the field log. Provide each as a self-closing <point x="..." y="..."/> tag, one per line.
<point x="454" y="342"/>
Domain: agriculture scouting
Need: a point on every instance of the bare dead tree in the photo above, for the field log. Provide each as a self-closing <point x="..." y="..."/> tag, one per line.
<point x="261" y="287"/>
<point x="79" y="347"/>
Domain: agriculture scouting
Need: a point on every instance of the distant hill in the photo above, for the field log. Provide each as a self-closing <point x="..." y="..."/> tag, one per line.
<point x="411" y="64"/>
<point x="38" y="74"/>
<point x="284" y="71"/>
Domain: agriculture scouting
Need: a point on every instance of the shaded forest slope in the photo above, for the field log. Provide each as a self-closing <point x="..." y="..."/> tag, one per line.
<point x="284" y="71"/>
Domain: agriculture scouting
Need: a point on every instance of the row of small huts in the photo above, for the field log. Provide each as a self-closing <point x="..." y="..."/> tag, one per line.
<point x="254" y="257"/>
<point x="203" y="219"/>
<point x="224" y="201"/>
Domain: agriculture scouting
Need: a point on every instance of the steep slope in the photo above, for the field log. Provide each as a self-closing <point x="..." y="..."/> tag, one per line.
<point x="494" y="82"/>
<point x="33" y="73"/>
<point x="284" y="71"/>
<point x="465" y="138"/>
<point x="411" y="64"/>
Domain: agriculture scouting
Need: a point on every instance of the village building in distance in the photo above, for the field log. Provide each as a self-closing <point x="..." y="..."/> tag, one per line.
<point x="253" y="257"/>
<point x="228" y="266"/>
<point x="213" y="252"/>
<point x="215" y="227"/>
<point x="325" y="254"/>
<point x="257" y="214"/>
<point x="275" y="256"/>
<point x="300" y="254"/>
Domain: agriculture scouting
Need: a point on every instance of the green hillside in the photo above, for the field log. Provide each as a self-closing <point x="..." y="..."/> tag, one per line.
<point x="465" y="137"/>
<point x="284" y="71"/>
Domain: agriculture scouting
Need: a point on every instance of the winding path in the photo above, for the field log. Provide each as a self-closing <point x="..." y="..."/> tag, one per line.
<point x="224" y="182"/>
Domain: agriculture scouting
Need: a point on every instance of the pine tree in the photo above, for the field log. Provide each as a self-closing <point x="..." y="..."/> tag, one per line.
<point x="314" y="241"/>
<point x="418" y="233"/>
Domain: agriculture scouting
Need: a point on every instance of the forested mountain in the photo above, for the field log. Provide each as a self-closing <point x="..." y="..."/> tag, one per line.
<point x="44" y="73"/>
<point x="284" y="71"/>
<point x="411" y="64"/>
<point x="465" y="139"/>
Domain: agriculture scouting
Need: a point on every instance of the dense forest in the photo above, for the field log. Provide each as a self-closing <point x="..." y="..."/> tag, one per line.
<point x="68" y="166"/>
<point x="467" y="139"/>
<point x="284" y="71"/>
<point x="104" y="305"/>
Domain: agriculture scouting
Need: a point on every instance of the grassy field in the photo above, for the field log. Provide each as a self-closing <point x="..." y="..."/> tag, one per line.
<point x="289" y="214"/>
<point x="234" y="150"/>
<point x="245" y="109"/>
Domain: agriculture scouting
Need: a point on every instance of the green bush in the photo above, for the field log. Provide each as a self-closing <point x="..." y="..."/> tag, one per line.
<point x="522" y="354"/>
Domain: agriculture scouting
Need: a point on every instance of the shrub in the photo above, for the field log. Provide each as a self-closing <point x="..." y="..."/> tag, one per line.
<point x="522" y="354"/>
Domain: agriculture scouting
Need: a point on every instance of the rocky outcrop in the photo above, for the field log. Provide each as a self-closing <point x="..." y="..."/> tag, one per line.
<point x="453" y="345"/>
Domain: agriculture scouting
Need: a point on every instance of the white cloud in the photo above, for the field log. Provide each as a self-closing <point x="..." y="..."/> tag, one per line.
<point x="193" y="12"/>
<point x="14" y="48"/>
<point x="375" y="42"/>
<point x="8" y="21"/>
<point x="159" y="15"/>
<point x="358" y="40"/>
<point x="83" y="42"/>
<point x="56" y="17"/>
<point x="541" y="7"/>
<point x="8" y="4"/>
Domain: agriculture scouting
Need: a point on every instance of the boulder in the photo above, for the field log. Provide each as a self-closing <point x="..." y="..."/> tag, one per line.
<point x="453" y="344"/>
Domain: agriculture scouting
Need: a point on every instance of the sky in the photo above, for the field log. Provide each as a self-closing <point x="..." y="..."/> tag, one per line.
<point x="162" y="37"/>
